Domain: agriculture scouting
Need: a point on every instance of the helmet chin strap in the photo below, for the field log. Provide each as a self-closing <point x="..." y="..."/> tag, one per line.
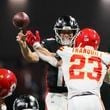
<point x="63" y="42"/>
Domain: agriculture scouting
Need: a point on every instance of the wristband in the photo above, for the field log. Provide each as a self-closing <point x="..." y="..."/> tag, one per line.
<point x="36" y="45"/>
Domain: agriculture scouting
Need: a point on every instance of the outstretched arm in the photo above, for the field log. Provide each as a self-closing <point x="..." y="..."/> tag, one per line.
<point x="47" y="56"/>
<point x="43" y="53"/>
<point x="25" y="50"/>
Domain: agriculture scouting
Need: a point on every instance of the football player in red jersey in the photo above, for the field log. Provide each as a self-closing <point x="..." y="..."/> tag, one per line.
<point x="66" y="29"/>
<point x="8" y="83"/>
<point x="84" y="69"/>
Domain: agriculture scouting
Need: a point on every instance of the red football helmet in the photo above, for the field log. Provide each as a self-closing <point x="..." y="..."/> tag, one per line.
<point x="8" y="82"/>
<point x="87" y="37"/>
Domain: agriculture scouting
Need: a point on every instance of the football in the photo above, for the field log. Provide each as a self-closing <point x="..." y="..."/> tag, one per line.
<point x="20" y="20"/>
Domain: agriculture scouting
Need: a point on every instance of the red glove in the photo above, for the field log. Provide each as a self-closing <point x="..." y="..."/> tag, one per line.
<point x="31" y="39"/>
<point x="37" y="36"/>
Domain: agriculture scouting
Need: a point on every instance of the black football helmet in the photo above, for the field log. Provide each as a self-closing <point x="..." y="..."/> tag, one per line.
<point x="25" y="102"/>
<point x="66" y="23"/>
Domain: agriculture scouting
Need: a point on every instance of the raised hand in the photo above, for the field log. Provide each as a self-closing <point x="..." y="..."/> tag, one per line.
<point x="20" y="38"/>
<point x="31" y="38"/>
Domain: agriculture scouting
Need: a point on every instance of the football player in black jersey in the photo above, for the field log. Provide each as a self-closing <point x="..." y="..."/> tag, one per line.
<point x="66" y="29"/>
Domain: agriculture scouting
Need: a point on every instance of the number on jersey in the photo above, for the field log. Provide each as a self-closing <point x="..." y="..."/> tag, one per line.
<point x="82" y="64"/>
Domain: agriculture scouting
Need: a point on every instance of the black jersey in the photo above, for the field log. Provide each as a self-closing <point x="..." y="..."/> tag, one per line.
<point x="55" y="81"/>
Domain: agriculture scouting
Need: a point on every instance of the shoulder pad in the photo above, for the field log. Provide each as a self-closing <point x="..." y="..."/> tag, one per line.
<point x="50" y="39"/>
<point x="47" y="40"/>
